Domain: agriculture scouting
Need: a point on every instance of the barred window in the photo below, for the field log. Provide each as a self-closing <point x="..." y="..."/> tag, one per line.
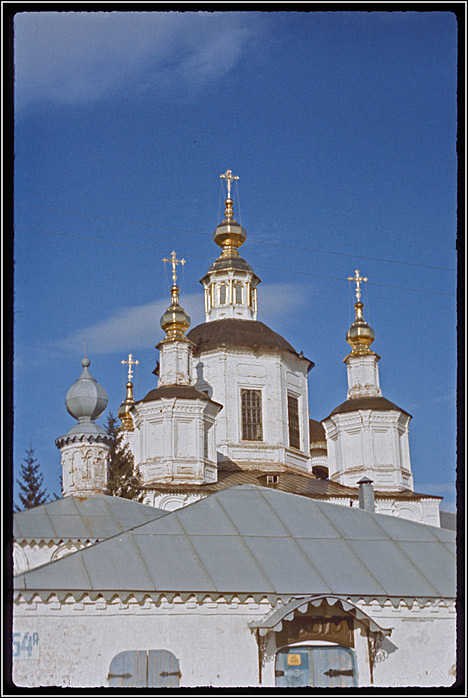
<point x="251" y="415"/>
<point x="222" y="294"/>
<point x="293" y="421"/>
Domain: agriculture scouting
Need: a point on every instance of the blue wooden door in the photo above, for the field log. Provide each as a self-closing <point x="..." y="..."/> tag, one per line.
<point x="128" y="669"/>
<point x="163" y="669"/>
<point x="324" y="667"/>
<point x="144" y="669"/>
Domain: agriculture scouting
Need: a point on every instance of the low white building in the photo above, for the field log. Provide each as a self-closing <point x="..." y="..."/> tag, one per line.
<point x="247" y="587"/>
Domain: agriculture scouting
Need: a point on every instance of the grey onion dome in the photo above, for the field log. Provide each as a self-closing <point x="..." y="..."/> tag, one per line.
<point x="86" y="399"/>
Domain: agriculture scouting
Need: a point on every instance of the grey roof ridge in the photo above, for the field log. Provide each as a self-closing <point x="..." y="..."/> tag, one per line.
<point x="195" y="551"/>
<point x="95" y="539"/>
<point x="135" y="545"/>
<point x="353" y="553"/>
<point x="399" y="548"/>
<point x="250" y="553"/>
<point x="97" y="542"/>
<point x="436" y="540"/>
<point x="295" y="542"/>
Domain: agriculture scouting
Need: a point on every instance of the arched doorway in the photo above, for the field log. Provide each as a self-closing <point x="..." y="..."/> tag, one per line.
<point x="321" y="666"/>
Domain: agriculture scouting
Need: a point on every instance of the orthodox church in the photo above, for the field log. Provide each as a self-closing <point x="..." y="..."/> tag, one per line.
<point x="231" y="407"/>
<point x="272" y="549"/>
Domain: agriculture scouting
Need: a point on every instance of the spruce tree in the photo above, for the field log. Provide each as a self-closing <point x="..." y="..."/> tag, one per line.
<point x="124" y="477"/>
<point x="31" y="493"/>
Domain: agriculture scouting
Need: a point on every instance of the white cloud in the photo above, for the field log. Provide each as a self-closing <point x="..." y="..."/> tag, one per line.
<point x="82" y="57"/>
<point x="141" y="324"/>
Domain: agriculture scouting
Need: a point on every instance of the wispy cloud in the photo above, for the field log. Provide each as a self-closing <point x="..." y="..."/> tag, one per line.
<point x="449" y="396"/>
<point x="83" y="57"/>
<point x="140" y="325"/>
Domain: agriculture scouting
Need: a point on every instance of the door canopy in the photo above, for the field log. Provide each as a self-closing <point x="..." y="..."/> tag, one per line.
<point x="273" y="621"/>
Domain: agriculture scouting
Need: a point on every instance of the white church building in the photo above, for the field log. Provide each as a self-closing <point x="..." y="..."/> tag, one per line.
<point x="271" y="550"/>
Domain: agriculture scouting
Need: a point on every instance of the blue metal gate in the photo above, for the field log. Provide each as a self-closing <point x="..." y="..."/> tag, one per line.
<point x="330" y="666"/>
<point x="144" y="669"/>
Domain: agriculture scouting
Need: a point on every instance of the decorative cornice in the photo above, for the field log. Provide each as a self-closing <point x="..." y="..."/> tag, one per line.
<point x="97" y="439"/>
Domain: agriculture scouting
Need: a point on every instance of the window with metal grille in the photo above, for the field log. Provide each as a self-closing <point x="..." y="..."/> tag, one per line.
<point x="251" y="415"/>
<point x="293" y="421"/>
<point x="222" y="294"/>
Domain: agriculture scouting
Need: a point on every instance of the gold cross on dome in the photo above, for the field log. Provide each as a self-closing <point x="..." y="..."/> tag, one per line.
<point x="130" y="363"/>
<point x="358" y="280"/>
<point x="174" y="263"/>
<point x="229" y="177"/>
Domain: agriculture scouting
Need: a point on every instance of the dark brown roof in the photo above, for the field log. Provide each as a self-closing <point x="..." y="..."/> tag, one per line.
<point x="182" y="391"/>
<point x="234" y="332"/>
<point x="366" y="403"/>
<point x="289" y="480"/>
<point x="316" y="431"/>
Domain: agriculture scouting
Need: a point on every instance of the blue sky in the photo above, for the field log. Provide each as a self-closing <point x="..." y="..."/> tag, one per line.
<point x="342" y="128"/>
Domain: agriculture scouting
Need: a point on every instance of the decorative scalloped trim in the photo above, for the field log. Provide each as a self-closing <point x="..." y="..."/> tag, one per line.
<point x="41" y="542"/>
<point x="74" y="438"/>
<point x="201" y="598"/>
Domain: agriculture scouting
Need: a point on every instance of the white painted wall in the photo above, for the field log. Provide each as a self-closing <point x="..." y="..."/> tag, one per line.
<point x="76" y="642"/>
<point x="30" y="554"/>
<point x="174" y="440"/>
<point x="369" y="443"/>
<point x="85" y="467"/>
<point x="224" y="372"/>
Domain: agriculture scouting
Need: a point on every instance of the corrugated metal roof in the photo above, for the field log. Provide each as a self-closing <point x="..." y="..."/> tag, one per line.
<point x="82" y="518"/>
<point x="249" y="539"/>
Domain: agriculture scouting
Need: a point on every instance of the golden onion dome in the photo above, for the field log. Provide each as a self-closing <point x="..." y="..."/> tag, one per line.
<point x="175" y="321"/>
<point x="229" y="234"/>
<point x="360" y="335"/>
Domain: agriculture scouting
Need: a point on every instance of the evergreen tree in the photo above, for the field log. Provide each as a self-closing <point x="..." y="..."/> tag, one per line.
<point x="31" y="493"/>
<point x="124" y="477"/>
<point x="59" y="496"/>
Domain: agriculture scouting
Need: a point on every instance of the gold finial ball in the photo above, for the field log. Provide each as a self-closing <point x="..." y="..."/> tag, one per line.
<point x="360" y="335"/>
<point x="175" y="320"/>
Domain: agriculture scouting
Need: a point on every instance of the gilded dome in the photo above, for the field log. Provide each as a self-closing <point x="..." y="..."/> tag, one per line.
<point x="360" y="335"/>
<point x="175" y="321"/>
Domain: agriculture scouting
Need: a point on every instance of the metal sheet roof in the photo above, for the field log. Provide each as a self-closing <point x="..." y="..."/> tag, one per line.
<point x="82" y="518"/>
<point x="249" y="539"/>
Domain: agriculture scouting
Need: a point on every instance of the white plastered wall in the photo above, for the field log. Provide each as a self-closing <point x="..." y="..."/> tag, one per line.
<point x="224" y="372"/>
<point x="76" y="642"/>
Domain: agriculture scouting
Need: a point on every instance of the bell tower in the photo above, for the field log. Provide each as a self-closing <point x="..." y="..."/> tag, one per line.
<point x="230" y="283"/>
<point x="367" y="436"/>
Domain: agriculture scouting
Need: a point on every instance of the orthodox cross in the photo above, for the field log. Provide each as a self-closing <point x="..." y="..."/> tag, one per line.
<point x="358" y="280"/>
<point x="174" y="263"/>
<point x="130" y="363"/>
<point x="229" y="177"/>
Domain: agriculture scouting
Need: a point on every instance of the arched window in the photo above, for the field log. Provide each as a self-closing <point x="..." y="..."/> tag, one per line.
<point x="238" y="294"/>
<point x="222" y="294"/>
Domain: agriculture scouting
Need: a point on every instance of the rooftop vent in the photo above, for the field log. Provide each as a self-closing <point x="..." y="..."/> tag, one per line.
<point x="366" y="495"/>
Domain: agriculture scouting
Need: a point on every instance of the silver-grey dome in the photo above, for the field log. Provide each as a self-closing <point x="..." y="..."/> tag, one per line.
<point x="86" y="399"/>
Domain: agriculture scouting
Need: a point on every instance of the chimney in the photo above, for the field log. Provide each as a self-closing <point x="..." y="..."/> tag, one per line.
<point x="366" y="495"/>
